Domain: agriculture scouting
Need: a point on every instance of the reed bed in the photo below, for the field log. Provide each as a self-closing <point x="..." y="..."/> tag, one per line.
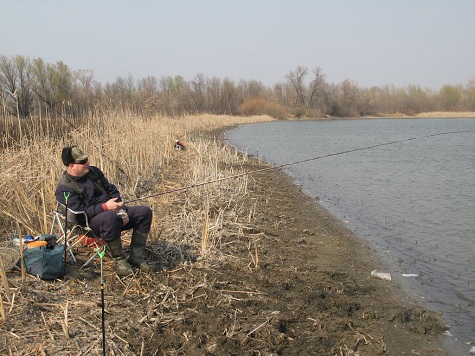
<point x="451" y="114"/>
<point x="136" y="154"/>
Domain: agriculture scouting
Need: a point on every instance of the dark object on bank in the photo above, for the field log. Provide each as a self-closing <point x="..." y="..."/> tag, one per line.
<point x="179" y="145"/>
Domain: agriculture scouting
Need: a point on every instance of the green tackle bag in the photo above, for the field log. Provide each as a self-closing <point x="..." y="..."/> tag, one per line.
<point x="44" y="262"/>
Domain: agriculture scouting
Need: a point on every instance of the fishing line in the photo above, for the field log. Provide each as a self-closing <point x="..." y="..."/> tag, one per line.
<point x="289" y="164"/>
<point x="77" y="129"/>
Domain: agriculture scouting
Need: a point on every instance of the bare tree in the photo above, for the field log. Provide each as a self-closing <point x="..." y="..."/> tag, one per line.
<point x="76" y="92"/>
<point x="173" y="90"/>
<point x="25" y="94"/>
<point x="123" y="93"/>
<point x="470" y="95"/>
<point x="42" y="84"/>
<point x="317" y="96"/>
<point x="229" y="96"/>
<point x="3" y="95"/>
<point x="450" y="96"/>
<point x="213" y="91"/>
<point x="198" y="92"/>
<point x="83" y="91"/>
<point x="296" y="79"/>
<point x="10" y="82"/>
<point x="344" y="98"/>
<point x="17" y="78"/>
<point x="148" y="94"/>
<point x="85" y="77"/>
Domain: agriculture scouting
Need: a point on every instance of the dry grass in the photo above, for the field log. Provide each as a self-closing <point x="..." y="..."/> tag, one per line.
<point x="447" y="114"/>
<point x="135" y="153"/>
<point x="423" y="115"/>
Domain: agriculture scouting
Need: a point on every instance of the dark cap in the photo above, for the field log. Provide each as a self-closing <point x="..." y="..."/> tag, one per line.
<point x="72" y="154"/>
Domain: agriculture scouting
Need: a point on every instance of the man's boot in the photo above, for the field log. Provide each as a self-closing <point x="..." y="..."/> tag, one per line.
<point x="122" y="268"/>
<point x="137" y="249"/>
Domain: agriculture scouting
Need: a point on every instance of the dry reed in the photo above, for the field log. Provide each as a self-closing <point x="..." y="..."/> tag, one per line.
<point x="137" y="155"/>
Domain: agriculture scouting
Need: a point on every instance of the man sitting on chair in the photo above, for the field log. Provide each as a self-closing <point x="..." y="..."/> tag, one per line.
<point x="87" y="189"/>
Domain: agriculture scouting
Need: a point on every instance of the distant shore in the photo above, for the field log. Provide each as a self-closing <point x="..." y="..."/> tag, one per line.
<point x="433" y="114"/>
<point x="423" y="115"/>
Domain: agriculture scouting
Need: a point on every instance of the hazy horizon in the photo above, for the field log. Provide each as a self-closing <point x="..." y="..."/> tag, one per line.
<point x="370" y="42"/>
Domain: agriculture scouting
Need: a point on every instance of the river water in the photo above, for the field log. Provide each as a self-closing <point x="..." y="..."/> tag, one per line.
<point x="413" y="200"/>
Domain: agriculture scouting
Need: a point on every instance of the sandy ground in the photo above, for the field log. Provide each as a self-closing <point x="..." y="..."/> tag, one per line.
<point x="293" y="282"/>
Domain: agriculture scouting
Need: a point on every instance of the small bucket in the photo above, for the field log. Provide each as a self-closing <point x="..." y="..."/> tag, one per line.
<point x="38" y="243"/>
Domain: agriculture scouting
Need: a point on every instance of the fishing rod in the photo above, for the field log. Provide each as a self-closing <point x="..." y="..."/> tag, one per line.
<point x="77" y="129"/>
<point x="101" y="251"/>
<point x="288" y="164"/>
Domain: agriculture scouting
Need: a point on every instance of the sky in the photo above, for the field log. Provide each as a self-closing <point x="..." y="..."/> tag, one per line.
<point x="429" y="43"/>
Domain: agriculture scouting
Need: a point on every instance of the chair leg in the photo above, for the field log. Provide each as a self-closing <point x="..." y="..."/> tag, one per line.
<point x="98" y="245"/>
<point x="88" y="261"/>
<point x="70" y="250"/>
<point x="55" y="217"/>
<point x="62" y="235"/>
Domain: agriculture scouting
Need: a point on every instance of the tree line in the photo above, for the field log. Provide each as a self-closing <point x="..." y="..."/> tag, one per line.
<point x="32" y="87"/>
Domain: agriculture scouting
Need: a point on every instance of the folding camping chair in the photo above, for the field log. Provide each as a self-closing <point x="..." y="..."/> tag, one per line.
<point x="77" y="233"/>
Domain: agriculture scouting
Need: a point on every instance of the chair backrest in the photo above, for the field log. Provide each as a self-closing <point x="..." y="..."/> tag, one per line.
<point x="73" y="217"/>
